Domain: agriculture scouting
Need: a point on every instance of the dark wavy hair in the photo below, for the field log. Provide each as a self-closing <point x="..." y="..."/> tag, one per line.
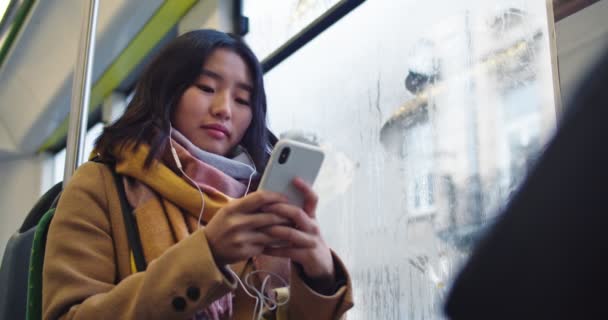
<point x="161" y="86"/>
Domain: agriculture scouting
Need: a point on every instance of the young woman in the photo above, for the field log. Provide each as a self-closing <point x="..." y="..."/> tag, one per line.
<point x="187" y="148"/>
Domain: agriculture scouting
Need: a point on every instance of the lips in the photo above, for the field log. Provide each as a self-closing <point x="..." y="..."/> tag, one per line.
<point x="217" y="128"/>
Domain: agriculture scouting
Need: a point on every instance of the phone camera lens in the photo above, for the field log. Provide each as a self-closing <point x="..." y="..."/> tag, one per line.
<point x="284" y="155"/>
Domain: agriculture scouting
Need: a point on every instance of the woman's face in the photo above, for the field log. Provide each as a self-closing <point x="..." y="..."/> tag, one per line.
<point x="215" y="111"/>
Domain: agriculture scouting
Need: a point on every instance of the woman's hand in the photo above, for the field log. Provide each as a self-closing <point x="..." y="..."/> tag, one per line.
<point x="234" y="232"/>
<point x="305" y="245"/>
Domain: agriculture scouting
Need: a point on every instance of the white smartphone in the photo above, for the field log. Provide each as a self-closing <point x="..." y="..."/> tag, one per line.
<point x="288" y="160"/>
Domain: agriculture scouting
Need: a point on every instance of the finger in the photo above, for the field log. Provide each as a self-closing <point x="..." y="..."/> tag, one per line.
<point x="260" y="220"/>
<point x="310" y="197"/>
<point x="256" y="200"/>
<point x="246" y="239"/>
<point x="250" y="250"/>
<point x="296" y="215"/>
<point x="295" y="238"/>
<point x="295" y="254"/>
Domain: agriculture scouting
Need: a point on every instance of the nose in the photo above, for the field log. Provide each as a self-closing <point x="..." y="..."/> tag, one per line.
<point x="222" y="106"/>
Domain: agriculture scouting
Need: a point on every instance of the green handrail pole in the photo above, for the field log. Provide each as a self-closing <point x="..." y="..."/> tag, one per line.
<point x="81" y="91"/>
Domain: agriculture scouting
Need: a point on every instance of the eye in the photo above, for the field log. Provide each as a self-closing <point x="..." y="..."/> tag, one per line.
<point x="205" y="88"/>
<point x="242" y="101"/>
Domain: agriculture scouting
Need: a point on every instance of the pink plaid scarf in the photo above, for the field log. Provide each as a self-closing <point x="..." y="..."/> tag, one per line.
<point x="211" y="180"/>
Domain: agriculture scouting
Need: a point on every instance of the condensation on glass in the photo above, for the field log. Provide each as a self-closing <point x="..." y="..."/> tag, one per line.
<point x="431" y="114"/>
<point x="272" y="22"/>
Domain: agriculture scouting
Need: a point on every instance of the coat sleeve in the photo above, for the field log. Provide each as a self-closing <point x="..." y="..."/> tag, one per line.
<point x="80" y="275"/>
<point x="306" y="303"/>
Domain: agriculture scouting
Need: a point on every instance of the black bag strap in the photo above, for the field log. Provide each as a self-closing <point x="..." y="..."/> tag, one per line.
<point x="129" y="219"/>
<point x="130" y="224"/>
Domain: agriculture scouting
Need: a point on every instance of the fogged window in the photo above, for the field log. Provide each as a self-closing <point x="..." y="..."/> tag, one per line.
<point x="272" y="22"/>
<point x="431" y="113"/>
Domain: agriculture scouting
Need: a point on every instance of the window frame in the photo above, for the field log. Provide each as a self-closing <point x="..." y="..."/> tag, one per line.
<point x="307" y="34"/>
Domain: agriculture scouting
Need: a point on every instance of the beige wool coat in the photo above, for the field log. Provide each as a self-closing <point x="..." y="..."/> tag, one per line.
<point x="87" y="267"/>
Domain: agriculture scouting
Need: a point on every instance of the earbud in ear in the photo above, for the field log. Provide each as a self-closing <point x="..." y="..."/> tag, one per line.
<point x="173" y="152"/>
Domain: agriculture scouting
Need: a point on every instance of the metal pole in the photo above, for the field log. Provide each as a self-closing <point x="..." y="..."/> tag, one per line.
<point x="81" y="91"/>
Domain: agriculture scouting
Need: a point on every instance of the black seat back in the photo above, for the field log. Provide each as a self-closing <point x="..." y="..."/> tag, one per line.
<point x="16" y="260"/>
<point x="14" y="275"/>
<point x="41" y="207"/>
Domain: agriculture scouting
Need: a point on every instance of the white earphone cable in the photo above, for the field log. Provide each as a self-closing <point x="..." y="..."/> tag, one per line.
<point x="179" y="166"/>
<point x="261" y="298"/>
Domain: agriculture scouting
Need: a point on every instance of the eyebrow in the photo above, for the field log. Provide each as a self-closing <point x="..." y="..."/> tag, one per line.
<point x="218" y="77"/>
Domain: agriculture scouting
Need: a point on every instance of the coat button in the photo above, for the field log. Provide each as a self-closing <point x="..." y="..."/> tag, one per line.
<point x="193" y="293"/>
<point x="179" y="303"/>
